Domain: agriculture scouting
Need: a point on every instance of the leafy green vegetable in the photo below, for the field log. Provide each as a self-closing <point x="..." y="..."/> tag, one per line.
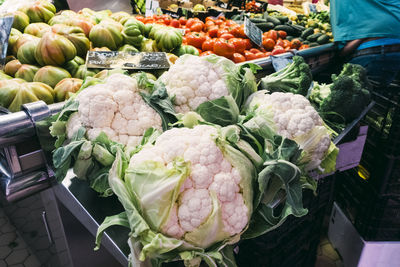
<point x="295" y="78"/>
<point x="342" y="101"/>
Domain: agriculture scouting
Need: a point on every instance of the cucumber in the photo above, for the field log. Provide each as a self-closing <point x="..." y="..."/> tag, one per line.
<point x="296" y="30"/>
<point x="289" y="30"/>
<point x="323" y="39"/>
<point x="313" y="44"/>
<point x="265" y="15"/>
<point x="299" y="27"/>
<point x="306" y="33"/>
<point x="275" y="21"/>
<point x="301" y="39"/>
<point x="282" y="19"/>
<point x="306" y="42"/>
<point x="265" y="26"/>
<point x="258" y="20"/>
<point x="314" y="37"/>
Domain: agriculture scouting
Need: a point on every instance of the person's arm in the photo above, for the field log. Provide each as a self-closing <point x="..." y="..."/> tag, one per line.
<point x="350" y="47"/>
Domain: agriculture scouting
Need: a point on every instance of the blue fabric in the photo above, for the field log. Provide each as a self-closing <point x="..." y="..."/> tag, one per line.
<point x="381" y="68"/>
<point x="356" y="19"/>
<point x="379" y="42"/>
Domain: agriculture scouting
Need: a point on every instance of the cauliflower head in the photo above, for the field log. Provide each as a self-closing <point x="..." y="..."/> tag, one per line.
<point x="116" y="108"/>
<point x="292" y="116"/>
<point x="212" y="199"/>
<point x="193" y="80"/>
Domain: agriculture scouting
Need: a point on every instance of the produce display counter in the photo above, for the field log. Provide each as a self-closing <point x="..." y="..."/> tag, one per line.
<point x="77" y="210"/>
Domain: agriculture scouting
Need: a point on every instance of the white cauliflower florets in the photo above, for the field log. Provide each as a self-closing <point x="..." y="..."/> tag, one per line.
<point x="295" y="118"/>
<point x="194" y="80"/>
<point x="115" y="108"/>
<point x="209" y="172"/>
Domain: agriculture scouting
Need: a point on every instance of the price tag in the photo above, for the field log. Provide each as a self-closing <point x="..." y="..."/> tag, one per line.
<point x="5" y="29"/>
<point x="127" y="60"/>
<point x="313" y="8"/>
<point x="253" y="32"/>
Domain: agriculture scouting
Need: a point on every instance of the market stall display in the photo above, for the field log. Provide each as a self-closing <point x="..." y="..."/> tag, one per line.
<point x="200" y="157"/>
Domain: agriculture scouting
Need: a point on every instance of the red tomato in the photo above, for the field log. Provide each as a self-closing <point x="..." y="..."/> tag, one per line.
<point x="167" y="20"/>
<point x="182" y="20"/>
<point x="210" y="18"/>
<point x="287" y="43"/>
<point x="254" y="50"/>
<point x="191" y="21"/>
<point x="248" y="44"/>
<point x="248" y="55"/>
<point x="237" y="58"/>
<point x="175" y="23"/>
<point x="140" y="18"/>
<point x="208" y="45"/>
<point x="206" y="53"/>
<point x="259" y="55"/>
<point x="304" y="46"/>
<point x="213" y="32"/>
<point x="209" y="23"/>
<point x="223" y="48"/>
<point x="267" y="54"/>
<point x="227" y="36"/>
<point x="239" y="43"/>
<point x="196" y="27"/>
<point x="268" y="44"/>
<point x="148" y="20"/>
<point x="296" y="44"/>
<point x="238" y="31"/>
<point x="282" y="34"/>
<point x="278" y="50"/>
<point x="280" y="42"/>
<point x="219" y="21"/>
<point x="230" y="22"/>
<point x="221" y="31"/>
<point x="196" y="39"/>
<point x="272" y="34"/>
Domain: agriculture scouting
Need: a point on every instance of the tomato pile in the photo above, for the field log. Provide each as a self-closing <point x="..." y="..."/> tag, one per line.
<point x="226" y="38"/>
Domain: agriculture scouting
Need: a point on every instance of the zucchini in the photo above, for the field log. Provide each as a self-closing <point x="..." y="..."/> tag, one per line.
<point x="265" y="15"/>
<point x="289" y="30"/>
<point x="306" y="33"/>
<point x="314" y="37"/>
<point x="301" y="39"/>
<point x="266" y="26"/>
<point x="306" y="42"/>
<point x="313" y="44"/>
<point x="258" y="20"/>
<point x="323" y="39"/>
<point x="275" y="21"/>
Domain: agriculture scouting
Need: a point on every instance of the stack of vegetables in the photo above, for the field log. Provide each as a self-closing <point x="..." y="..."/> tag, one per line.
<point x="195" y="157"/>
<point x="225" y="37"/>
<point x="311" y="30"/>
<point x="48" y="50"/>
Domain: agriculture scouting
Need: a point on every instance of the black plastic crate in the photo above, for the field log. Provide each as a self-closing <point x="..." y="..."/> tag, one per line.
<point x="295" y="242"/>
<point x="376" y="217"/>
<point x="384" y="121"/>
